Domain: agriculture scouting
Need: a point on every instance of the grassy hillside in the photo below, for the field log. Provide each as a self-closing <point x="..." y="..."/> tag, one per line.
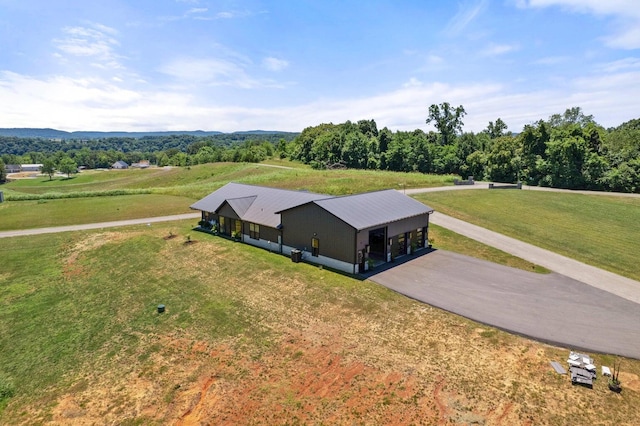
<point x="598" y="230"/>
<point x="198" y="181"/>
<point x="248" y="337"/>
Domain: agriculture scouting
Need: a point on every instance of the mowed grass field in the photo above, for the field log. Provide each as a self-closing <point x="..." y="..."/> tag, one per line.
<point x="248" y="337"/>
<point x="61" y="212"/>
<point x="599" y="230"/>
<point x="198" y="181"/>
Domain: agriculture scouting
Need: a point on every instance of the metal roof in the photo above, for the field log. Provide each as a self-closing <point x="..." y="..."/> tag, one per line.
<point x="257" y="204"/>
<point x="241" y="205"/>
<point x="262" y="205"/>
<point x="371" y="209"/>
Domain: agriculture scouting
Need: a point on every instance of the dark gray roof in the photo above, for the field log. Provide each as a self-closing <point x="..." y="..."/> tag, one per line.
<point x="262" y="205"/>
<point x="241" y="205"/>
<point x="257" y="204"/>
<point x="373" y="208"/>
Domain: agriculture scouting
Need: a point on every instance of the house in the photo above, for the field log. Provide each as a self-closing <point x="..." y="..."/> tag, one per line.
<point x="120" y="165"/>
<point x="30" y="167"/>
<point x="143" y="164"/>
<point x="12" y="168"/>
<point x="346" y="233"/>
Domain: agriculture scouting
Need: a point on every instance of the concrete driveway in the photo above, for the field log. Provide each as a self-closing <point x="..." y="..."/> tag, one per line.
<point x="547" y="307"/>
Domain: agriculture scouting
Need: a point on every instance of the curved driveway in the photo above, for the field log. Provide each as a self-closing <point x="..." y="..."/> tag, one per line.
<point x="578" y="305"/>
<point x="548" y="307"/>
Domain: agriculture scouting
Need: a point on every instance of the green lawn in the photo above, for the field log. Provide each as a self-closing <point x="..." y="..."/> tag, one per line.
<point x="449" y="240"/>
<point x="46" y="213"/>
<point x="75" y="299"/>
<point x="198" y="181"/>
<point x="599" y="230"/>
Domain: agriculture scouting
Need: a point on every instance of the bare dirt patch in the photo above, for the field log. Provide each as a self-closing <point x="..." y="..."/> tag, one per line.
<point x="88" y="243"/>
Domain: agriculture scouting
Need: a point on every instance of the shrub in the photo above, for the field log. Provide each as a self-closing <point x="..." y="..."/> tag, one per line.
<point x="6" y="388"/>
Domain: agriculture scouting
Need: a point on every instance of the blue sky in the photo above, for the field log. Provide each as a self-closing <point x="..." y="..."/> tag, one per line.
<point x="285" y="65"/>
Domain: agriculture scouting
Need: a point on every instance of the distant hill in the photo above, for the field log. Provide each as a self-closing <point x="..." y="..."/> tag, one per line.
<point x="60" y="134"/>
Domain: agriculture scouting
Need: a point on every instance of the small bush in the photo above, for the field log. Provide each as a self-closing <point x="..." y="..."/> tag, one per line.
<point x="7" y="388"/>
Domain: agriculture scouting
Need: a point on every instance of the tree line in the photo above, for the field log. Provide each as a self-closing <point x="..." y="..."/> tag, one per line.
<point x="173" y="150"/>
<point x="568" y="150"/>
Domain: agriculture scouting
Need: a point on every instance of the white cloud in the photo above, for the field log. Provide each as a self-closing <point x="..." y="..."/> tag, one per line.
<point x="94" y="42"/>
<point x="466" y="14"/>
<point x="626" y="28"/>
<point x="434" y="60"/>
<point x="611" y="94"/>
<point x="413" y="82"/>
<point x="274" y="64"/>
<point x="194" y="72"/>
<point x="622" y="64"/>
<point x="196" y="11"/>
<point x="494" y="49"/>
<point x="207" y="71"/>
<point x="552" y="60"/>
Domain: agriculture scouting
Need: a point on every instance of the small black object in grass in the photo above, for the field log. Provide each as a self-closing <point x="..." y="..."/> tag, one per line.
<point x="160" y="309"/>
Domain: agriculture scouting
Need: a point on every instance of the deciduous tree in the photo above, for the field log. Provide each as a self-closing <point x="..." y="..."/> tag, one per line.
<point x="447" y="120"/>
<point x="495" y="130"/>
<point x="68" y="166"/>
<point x="48" y="168"/>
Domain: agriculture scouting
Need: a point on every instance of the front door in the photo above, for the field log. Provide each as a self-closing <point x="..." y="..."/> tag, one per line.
<point x="377" y="244"/>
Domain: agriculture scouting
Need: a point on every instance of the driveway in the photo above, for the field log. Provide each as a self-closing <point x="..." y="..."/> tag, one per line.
<point x="548" y="307"/>
<point x="86" y="226"/>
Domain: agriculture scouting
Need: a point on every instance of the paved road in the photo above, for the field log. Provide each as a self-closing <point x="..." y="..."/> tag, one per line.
<point x="548" y="307"/>
<point x="596" y="277"/>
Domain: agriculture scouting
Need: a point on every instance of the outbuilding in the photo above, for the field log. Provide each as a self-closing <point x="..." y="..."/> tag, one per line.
<point x="348" y="233"/>
<point x="120" y="165"/>
<point x="30" y="167"/>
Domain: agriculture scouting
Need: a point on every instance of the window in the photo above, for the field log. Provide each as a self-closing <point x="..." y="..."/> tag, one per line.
<point x="238" y="227"/>
<point x="223" y="229"/>
<point x="315" y="247"/>
<point x="254" y="231"/>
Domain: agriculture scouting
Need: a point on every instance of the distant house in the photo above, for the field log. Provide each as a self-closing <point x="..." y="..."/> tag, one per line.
<point x="120" y="165"/>
<point x="345" y="233"/>
<point x="142" y="164"/>
<point x="30" y="167"/>
<point x="12" y="168"/>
